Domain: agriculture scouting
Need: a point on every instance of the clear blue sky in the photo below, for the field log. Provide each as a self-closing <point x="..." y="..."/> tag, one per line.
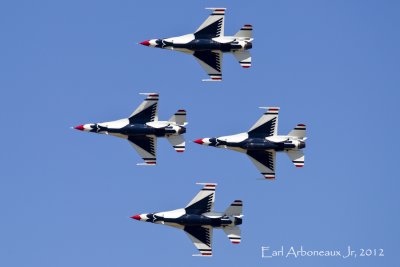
<point x="66" y="196"/>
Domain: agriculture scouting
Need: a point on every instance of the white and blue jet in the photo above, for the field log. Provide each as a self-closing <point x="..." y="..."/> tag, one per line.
<point x="198" y="219"/>
<point x="142" y="128"/>
<point x="208" y="43"/>
<point x="262" y="142"/>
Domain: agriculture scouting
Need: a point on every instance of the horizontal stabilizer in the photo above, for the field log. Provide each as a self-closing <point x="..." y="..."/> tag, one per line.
<point x="297" y="157"/>
<point x="299" y="131"/>
<point x="233" y="233"/>
<point x="244" y="58"/>
<point x="179" y="117"/>
<point x="178" y="142"/>
<point x="235" y="208"/>
<point x="245" y="32"/>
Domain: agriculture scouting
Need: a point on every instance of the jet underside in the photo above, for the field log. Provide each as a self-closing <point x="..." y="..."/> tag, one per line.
<point x="198" y="219"/>
<point x="208" y="43"/>
<point x="204" y="45"/>
<point x="142" y="128"/>
<point x="262" y="142"/>
<point x="138" y="129"/>
<point x="195" y="220"/>
<point x="256" y="144"/>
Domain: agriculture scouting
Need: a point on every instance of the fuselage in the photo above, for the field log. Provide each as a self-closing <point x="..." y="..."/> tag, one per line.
<point x="189" y="42"/>
<point x="243" y="142"/>
<point x="122" y="127"/>
<point x="180" y="217"/>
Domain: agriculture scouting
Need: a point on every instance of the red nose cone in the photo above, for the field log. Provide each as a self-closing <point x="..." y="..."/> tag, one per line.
<point x="199" y="141"/>
<point x="136" y="217"/>
<point x="79" y="127"/>
<point x="146" y="43"/>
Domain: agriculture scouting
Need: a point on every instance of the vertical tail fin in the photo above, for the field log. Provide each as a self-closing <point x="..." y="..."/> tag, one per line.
<point x="235" y="208"/>
<point x="179" y="117"/>
<point x="299" y="131"/>
<point x="245" y="32"/>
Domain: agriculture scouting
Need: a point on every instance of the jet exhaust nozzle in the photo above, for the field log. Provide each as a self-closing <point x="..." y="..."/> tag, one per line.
<point x="302" y="144"/>
<point x="248" y="45"/>
<point x="182" y="130"/>
<point x="238" y="221"/>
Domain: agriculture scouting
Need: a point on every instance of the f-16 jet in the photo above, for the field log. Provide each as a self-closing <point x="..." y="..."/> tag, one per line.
<point x="198" y="219"/>
<point x="208" y="43"/>
<point x="142" y="128"/>
<point x="262" y="142"/>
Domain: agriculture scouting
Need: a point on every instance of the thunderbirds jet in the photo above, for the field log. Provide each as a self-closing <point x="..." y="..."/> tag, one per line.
<point x="262" y="142"/>
<point x="142" y="128"/>
<point x="208" y="43"/>
<point x="198" y="219"/>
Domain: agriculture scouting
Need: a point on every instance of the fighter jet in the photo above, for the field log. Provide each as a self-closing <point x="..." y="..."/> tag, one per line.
<point x="262" y="142"/>
<point x="208" y="43"/>
<point x="142" y="128"/>
<point x="198" y="219"/>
